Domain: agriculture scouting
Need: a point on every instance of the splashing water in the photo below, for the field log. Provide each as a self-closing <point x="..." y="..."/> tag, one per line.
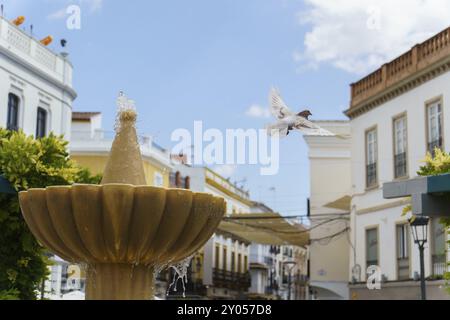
<point x="180" y="269"/>
<point x="126" y="110"/>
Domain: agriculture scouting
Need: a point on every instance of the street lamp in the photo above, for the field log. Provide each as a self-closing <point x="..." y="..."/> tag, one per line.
<point x="420" y="233"/>
<point x="291" y="265"/>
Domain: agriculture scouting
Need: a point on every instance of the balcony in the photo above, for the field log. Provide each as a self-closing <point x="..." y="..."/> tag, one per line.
<point x="400" y="165"/>
<point x="433" y="145"/>
<point x="439" y="263"/>
<point x="371" y="175"/>
<point x="231" y="280"/>
<point x="403" y="272"/>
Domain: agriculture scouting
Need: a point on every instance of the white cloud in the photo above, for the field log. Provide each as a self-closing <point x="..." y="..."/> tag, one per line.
<point x="226" y="171"/>
<point x="256" y="111"/>
<point x="60" y="14"/>
<point x="360" y="35"/>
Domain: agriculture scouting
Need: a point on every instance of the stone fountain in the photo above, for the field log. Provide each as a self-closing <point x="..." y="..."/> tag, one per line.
<point x="121" y="230"/>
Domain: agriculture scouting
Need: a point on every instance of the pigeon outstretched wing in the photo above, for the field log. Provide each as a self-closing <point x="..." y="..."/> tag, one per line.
<point x="277" y="106"/>
<point x="280" y="128"/>
<point x="309" y="127"/>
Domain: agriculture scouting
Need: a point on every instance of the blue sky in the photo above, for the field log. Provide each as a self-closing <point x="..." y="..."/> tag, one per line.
<point x="212" y="60"/>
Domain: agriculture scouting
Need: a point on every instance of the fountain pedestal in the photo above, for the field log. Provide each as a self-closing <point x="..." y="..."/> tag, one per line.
<point x="112" y="281"/>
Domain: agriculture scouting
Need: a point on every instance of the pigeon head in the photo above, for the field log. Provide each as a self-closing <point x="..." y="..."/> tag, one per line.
<point x="305" y="114"/>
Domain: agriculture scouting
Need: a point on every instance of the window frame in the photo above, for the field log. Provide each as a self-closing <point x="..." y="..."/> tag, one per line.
<point x="224" y="258"/>
<point x="407" y="245"/>
<point x="217" y="257"/>
<point x="375" y="184"/>
<point x="394" y="145"/>
<point x="18" y="111"/>
<point x="428" y="104"/>
<point x="46" y="114"/>
<point x="377" y="232"/>
<point x="433" y="244"/>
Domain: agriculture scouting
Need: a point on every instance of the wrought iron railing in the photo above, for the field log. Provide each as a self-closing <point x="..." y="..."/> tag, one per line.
<point x="371" y="174"/>
<point x="439" y="263"/>
<point x="232" y="280"/>
<point x="400" y="165"/>
<point x="433" y="145"/>
<point x="403" y="269"/>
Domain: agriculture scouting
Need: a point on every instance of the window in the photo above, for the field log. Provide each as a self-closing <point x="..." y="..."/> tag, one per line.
<point x="233" y="262"/>
<point x="400" y="145"/>
<point x="239" y="263"/>
<point x="403" y="252"/>
<point x="158" y="179"/>
<point x="434" y="126"/>
<point x="13" y="112"/>
<point x="216" y="260"/>
<point x="245" y="263"/>
<point x="371" y="158"/>
<point x="224" y="259"/>
<point x="371" y="247"/>
<point x="41" y="125"/>
<point x="438" y="248"/>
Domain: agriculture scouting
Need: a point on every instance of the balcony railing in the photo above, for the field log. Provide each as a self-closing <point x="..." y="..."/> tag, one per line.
<point x="439" y="263"/>
<point x="371" y="174"/>
<point x="25" y="46"/>
<point x="400" y="165"/>
<point x="433" y="145"/>
<point x="99" y="135"/>
<point x="231" y="280"/>
<point x="415" y="60"/>
<point x="403" y="269"/>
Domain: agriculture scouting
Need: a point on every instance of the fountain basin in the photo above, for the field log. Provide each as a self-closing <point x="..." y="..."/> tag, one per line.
<point x="121" y="232"/>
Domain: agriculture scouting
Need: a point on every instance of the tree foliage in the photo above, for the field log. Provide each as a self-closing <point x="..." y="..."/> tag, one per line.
<point x="29" y="163"/>
<point x="433" y="166"/>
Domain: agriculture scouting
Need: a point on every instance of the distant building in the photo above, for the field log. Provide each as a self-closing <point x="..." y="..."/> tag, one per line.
<point x="223" y="263"/>
<point x="329" y="210"/>
<point x="270" y="277"/>
<point x="36" y="92"/>
<point x="90" y="146"/>
<point x="398" y="113"/>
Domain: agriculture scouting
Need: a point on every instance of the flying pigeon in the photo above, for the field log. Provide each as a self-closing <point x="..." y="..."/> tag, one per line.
<point x="288" y="120"/>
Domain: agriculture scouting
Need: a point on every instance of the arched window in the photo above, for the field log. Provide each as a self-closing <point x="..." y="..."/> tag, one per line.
<point x="41" y="124"/>
<point x="13" y="112"/>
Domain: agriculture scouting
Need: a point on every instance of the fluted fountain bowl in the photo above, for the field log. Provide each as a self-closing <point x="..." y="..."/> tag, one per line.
<point x="121" y="232"/>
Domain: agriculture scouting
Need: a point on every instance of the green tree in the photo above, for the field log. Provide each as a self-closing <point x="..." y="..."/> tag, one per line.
<point x="29" y="163"/>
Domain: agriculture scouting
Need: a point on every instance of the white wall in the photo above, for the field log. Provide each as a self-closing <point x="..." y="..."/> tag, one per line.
<point x="365" y="202"/>
<point x="330" y="180"/>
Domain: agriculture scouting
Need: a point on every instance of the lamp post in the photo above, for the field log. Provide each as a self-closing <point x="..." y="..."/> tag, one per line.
<point x="419" y="227"/>
<point x="292" y="265"/>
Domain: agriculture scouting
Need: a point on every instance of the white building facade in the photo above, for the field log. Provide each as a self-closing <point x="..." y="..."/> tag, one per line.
<point x="329" y="211"/>
<point x="398" y="114"/>
<point x="36" y="91"/>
